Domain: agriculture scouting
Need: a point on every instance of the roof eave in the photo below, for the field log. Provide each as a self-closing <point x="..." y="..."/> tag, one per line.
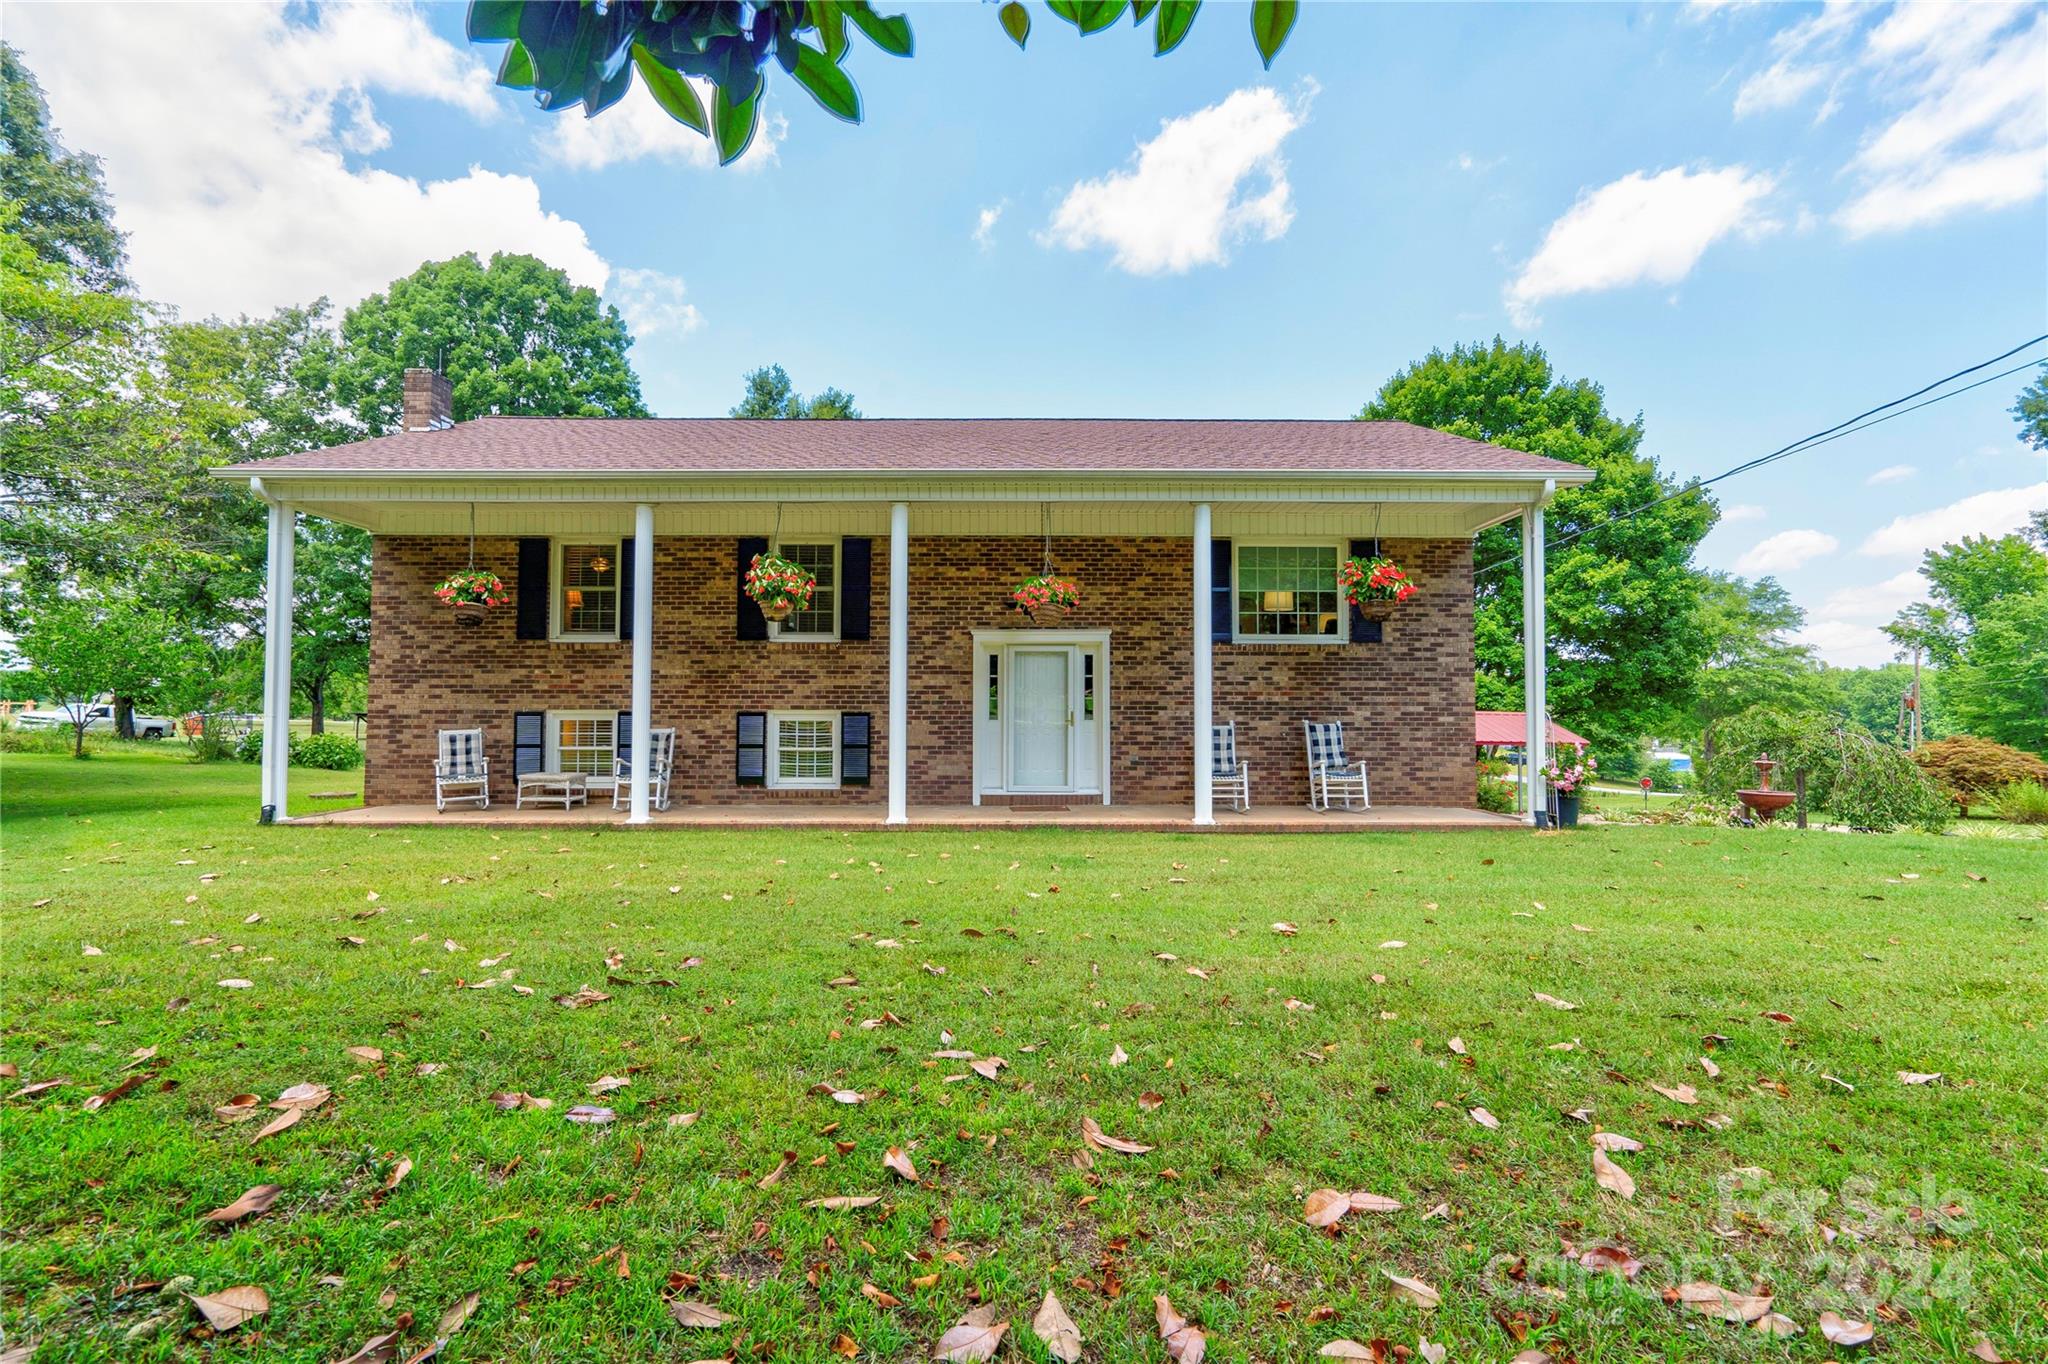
<point x="1559" y="473"/>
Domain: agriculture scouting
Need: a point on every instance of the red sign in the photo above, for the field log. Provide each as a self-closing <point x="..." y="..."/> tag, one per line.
<point x="1646" y="783"/>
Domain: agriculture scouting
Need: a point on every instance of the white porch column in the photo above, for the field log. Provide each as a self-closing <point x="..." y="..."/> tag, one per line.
<point x="899" y="663"/>
<point x="1535" y="703"/>
<point x="643" y="656"/>
<point x="277" y="664"/>
<point x="1205" y="800"/>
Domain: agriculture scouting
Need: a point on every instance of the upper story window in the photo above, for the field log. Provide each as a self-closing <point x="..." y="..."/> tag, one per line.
<point x="586" y="589"/>
<point x="1288" y="594"/>
<point x="820" y="620"/>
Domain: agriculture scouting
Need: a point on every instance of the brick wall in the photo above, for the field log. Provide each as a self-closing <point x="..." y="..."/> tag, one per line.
<point x="1406" y="703"/>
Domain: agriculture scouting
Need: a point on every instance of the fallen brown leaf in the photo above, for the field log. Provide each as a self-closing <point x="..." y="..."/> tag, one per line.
<point x="1841" y="1331"/>
<point x="252" y="1202"/>
<point x="898" y="1160"/>
<point x="1415" y="1290"/>
<point x="1093" y="1135"/>
<point x="1612" y="1177"/>
<point x="1053" y="1326"/>
<point x="230" y="1307"/>
<point x="973" y="1338"/>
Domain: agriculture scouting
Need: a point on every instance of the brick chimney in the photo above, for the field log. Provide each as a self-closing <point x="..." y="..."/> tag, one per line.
<point x="429" y="400"/>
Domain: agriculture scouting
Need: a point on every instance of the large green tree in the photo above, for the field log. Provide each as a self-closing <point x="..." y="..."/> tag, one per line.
<point x="1999" y="688"/>
<point x="587" y="56"/>
<point x="65" y="214"/>
<point x="1751" y="659"/>
<point x="514" y="336"/>
<point x="1623" y="597"/>
<point x="770" y="396"/>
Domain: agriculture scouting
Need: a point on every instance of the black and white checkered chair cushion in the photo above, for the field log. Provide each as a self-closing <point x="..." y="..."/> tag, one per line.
<point x="1223" y="750"/>
<point x="462" y="753"/>
<point x="1326" y="749"/>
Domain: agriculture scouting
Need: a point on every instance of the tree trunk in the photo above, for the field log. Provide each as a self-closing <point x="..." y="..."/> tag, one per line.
<point x="124" y="717"/>
<point x="317" y="694"/>
<point x="78" y="739"/>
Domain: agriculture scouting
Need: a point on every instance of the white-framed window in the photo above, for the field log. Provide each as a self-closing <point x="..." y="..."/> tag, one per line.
<point x="586" y="578"/>
<point x="584" y="741"/>
<point x="803" y="749"/>
<point x="820" y="620"/>
<point x="1287" y="593"/>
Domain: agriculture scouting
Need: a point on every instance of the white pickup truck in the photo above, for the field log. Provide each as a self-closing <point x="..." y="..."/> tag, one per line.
<point x="99" y="719"/>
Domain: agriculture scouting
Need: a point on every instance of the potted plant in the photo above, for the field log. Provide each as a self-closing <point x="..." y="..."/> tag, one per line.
<point x="1566" y="776"/>
<point x="779" y="586"/>
<point x="1374" y="585"/>
<point x="469" y="592"/>
<point x="1044" y="592"/>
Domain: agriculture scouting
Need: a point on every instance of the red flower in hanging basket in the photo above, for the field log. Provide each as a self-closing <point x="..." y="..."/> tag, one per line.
<point x="1376" y="579"/>
<point x="779" y="586"/>
<point x="1044" y="592"/>
<point x="472" y="587"/>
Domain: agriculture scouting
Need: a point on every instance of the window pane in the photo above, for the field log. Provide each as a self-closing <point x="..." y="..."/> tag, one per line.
<point x="585" y="744"/>
<point x="822" y="560"/>
<point x="590" y="590"/>
<point x="804" y="749"/>
<point x="1287" y="591"/>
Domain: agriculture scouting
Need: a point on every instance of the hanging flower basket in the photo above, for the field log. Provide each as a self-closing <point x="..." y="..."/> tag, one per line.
<point x="1045" y="596"/>
<point x="470" y="592"/>
<point x="1374" y="585"/>
<point x="779" y="586"/>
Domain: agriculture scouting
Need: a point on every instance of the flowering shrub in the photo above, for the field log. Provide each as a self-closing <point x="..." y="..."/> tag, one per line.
<point x="473" y="586"/>
<point x="1568" y="774"/>
<point x="1376" y="579"/>
<point x="1043" y="593"/>
<point x="779" y="586"/>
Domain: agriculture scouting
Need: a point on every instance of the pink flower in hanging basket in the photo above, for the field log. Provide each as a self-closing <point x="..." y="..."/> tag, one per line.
<point x="779" y="586"/>
<point x="1374" y="579"/>
<point x="1046" y="593"/>
<point x="472" y="587"/>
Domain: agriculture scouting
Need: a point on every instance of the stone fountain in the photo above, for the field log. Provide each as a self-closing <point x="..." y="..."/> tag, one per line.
<point x="1763" y="802"/>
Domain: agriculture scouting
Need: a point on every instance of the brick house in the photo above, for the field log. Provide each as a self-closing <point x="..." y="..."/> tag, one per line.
<point x="1206" y="553"/>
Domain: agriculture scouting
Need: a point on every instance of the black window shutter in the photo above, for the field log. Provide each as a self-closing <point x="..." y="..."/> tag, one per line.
<point x="854" y="749"/>
<point x="529" y="739"/>
<point x="626" y="548"/>
<point x="532" y="588"/>
<point x="750" y="749"/>
<point x="751" y="624"/>
<point x="1364" y="631"/>
<point x="622" y="737"/>
<point x="1222" y="599"/>
<point x="856" y="571"/>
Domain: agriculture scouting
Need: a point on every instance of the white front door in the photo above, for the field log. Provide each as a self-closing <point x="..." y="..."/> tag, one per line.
<point x="1041" y="719"/>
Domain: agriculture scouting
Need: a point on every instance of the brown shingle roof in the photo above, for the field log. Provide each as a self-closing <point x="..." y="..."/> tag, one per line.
<point x="687" y="445"/>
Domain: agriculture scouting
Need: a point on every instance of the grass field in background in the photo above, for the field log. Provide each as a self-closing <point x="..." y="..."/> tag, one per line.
<point x="750" y="970"/>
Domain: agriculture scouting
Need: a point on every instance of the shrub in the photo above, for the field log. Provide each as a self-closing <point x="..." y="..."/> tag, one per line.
<point x="249" y="748"/>
<point x="1495" y="792"/>
<point x="1974" y="770"/>
<point x="332" y="752"/>
<point x="1689" y="811"/>
<point x="1851" y="778"/>
<point x="56" y="742"/>
<point x="2023" y="802"/>
<point x="1664" y="777"/>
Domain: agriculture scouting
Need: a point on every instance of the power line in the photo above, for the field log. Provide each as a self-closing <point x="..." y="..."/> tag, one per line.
<point x="1862" y="421"/>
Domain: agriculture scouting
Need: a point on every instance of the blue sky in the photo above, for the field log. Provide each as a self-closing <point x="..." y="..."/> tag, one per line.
<point x="1745" y="221"/>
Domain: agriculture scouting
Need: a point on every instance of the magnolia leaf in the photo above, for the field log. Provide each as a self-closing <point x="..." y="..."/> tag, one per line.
<point x="593" y="1115"/>
<point x="302" y="1096"/>
<point x="1350" y="1349"/>
<point x="1712" y="1300"/>
<point x="1457" y="1046"/>
<point x="973" y="1338"/>
<point x="230" y="1307"/>
<point x="1614" y="1259"/>
<point x="583" y="998"/>
<point x="1053" y="1326"/>
<point x="1713" y="1071"/>
<point x="1093" y="1135"/>
<point x="1485" y="1119"/>
<point x="1986" y="1351"/>
<point x="1679" y="1094"/>
<point x="1612" y="1177"/>
<point x="1915" y="1077"/>
<point x="879" y="1296"/>
<point x="1325" y="1207"/>
<point x="1614" y="1141"/>
<point x="1185" y="1344"/>
<point x="382" y="1349"/>
<point x="456" y="1317"/>
<point x="1553" y="1001"/>
<point x="370" y="1054"/>
<point x="845" y="1203"/>
<point x="1372" y="1202"/>
<point x="279" y="1123"/>
<point x="252" y="1202"/>
<point x="1285" y="929"/>
<point x="696" y="1315"/>
<point x="898" y="1160"/>
<point x="605" y="1084"/>
<point x="1777" y="1324"/>
<point x="521" y="1099"/>
<point x="1431" y="1352"/>
<point x="1530" y="1357"/>
<point x="1842" y="1331"/>
<point x="400" y="1168"/>
<point x="239" y="1108"/>
<point x="1119" y="1056"/>
<point x="1415" y="1290"/>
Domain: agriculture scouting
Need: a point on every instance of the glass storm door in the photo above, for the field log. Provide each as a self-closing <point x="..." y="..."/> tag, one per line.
<point x="1041" y="719"/>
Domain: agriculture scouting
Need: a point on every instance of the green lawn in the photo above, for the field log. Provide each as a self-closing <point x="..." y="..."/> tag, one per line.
<point x="1888" y="953"/>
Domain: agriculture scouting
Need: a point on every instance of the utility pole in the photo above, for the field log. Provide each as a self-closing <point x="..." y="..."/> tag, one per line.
<point x="1913" y="743"/>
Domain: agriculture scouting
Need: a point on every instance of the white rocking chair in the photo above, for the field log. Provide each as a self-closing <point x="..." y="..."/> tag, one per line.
<point x="1229" y="779"/>
<point x="1331" y="774"/>
<point x="661" y="761"/>
<point x="461" y="771"/>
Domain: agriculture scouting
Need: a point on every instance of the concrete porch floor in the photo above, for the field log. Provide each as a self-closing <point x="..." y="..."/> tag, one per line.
<point x="1270" y="819"/>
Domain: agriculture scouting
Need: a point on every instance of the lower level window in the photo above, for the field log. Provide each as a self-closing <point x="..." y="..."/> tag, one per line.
<point x="803" y="749"/>
<point x="582" y="741"/>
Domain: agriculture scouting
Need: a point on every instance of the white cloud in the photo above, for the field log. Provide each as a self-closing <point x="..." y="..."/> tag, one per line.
<point x="652" y="302"/>
<point x="1893" y="473"/>
<point x="1742" y="511"/>
<point x="227" y="133"/>
<point x="1994" y="513"/>
<point x="1876" y="601"/>
<point x="1209" y="180"/>
<point x="1787" y="550"/>
<point x="637" y="128"/>
<point x="985" y="225"/>
<point x="1640" y="229"/>
<point x="1779" y="86"/>
<point x="1846" y="644"/>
